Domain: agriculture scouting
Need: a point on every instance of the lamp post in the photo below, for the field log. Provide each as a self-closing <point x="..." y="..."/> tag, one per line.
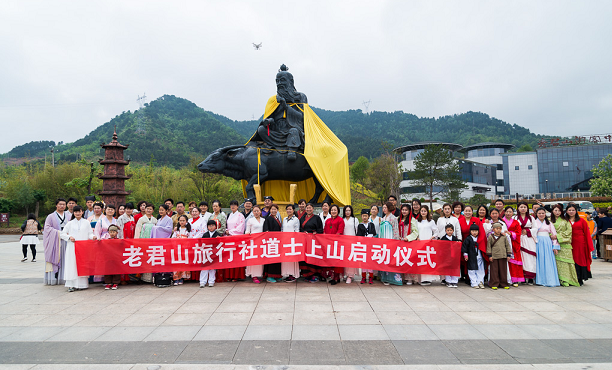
<point x="546" y="188"/>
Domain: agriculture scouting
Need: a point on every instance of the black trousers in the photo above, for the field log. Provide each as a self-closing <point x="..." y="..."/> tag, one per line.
<point x="24" y="249"/>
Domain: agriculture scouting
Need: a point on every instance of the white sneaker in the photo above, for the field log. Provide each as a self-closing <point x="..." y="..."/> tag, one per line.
<point x="24" y="259"/>
<point x="408" y="282"/>
<point x="202" y="285"/>
<point x="211" y="285"/>
<point x="349" y="280"/>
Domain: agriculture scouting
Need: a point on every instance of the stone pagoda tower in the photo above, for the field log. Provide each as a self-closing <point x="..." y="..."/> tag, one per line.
<point x="113" y="180"/>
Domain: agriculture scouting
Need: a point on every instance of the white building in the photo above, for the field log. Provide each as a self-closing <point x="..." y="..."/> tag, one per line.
<point x="521" y="170"/>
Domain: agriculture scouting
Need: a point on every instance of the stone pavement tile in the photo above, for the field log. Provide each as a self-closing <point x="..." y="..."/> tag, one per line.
<point x="549" y="332"/>
<point x="442" y="317"/>
<point x="12" y="350"/>
<point x="136" y="299"/>
<point x="354" y="306"/>
<point x="126" y="333"/>
<point x="356" y="318"/>
<point x="321" y="297"/>
<point x="390" y="306"/>
<point x="321" y="352"/>
<point x="450" y="332"/>
<point x="478" y="351"/>
<point x="317" y="306"/>
<point x="144" y="319"/>
<point x="581" y="306"/>
<point x="569" y="317"/>
<point x="6" y="330"/>
<point x="278" y="306"/>
<point x="468" y="307"/>
<point x="102" y="319"/>
<point x="160" y="308"/>
<point x="607" y="304"/>
<point x="505" y="306"/>
<point x="449" y="296"/>
<point x="272" y="318"/>
<point x="122" y="308"/>
<point x="383" y="297"/>
<point x="600" y="318"/>
<point x="155" y="352"/>
<point x="428" y="306"/>
<point x="233" y="332"/>
<point x="188" y="319"/>
<point x="229" y="318"/>
<point x="530" y="349"/>
<point x="362" y="332"/>
<point x="173" y="333"/>
<point x="542" y="306"/>
<point x="268" y="332"/>
<point x="315" y="332"/>
<point x="399" y="318"/>
<point x="408" y="295"/>
<point x="591" y="331"/>
<point x="410" y="332"/>
<point x="424" y="352"/>
<point x="579" y="349"/>
<point x="371" y="353"/>
<point x="198" y="307"/>
<point x="21" y="320"/>
<point x="210" y="352"/>
<point x="62" y="320"/>
<point x="83" y="309"/>
<point x="483" y="318"/>
<point x="525" y="318"/>
<point x="502" y="332"/>
<point x="171" y="299"/>
<point x="206" y="298"/>
<point x="314" y="318"/>
<point x="47" y="353"/>
<point x="236" y="307"/>
<point x="276" y="297"/>
<point x="33" y="334"/>
<point x="79" y="334"/>
<point x="263" y="352"/>
<point x="351" y="297"/>
<point x="242" y="297"/>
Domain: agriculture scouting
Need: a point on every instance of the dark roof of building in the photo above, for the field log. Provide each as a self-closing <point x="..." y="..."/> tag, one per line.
<point x="416" y="146"/>
<point x="488" y="145"/>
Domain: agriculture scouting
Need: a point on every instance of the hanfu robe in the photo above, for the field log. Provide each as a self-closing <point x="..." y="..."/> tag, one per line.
<point x="564" y="258"/>
<point x="163" y="228"/>
<point x="528" y="246"/>
<point x="582" y="246"/>
<point x="144" y="228"/>
<point x="409" y="233"/>
<point x="350" y="228"/>
<point x="515" y="264"/>
<point x="427" y="230"/>
<point x="389" y="230"/>
<point x="181" y="233"/>
<point x="236" y="224"/>
<point x="255" y="226"/>
<point x="55" y="248"/>
<point x="122" y="221"/>
<point x="79" y="230"/>
<point x="198" y="227"/>
<point x="101" y="229"/>
<point x="546" y="266"/>
<point x="291" y="225"/>
<point x="221" y="220"/>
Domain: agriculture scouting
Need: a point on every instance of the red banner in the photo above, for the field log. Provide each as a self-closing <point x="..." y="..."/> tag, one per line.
<point x="131" y="256"/>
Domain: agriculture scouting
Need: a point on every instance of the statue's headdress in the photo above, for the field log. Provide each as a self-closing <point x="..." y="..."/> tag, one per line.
<point x="284" y="70"/>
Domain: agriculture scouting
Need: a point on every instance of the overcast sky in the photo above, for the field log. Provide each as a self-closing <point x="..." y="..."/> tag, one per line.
<point x="68" y="67"/>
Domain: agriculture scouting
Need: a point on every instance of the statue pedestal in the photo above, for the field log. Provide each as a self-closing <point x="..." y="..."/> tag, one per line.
<point x="281" y="204"/>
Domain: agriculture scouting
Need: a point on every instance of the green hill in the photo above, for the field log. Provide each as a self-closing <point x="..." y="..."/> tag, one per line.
<point x="176" y="129"/>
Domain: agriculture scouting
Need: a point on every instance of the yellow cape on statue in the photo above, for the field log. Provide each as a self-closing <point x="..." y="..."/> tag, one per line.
<point x="326" y="155"/>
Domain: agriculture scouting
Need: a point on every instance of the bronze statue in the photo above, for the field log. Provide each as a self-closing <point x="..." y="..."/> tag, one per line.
<point x="284" y="128"/>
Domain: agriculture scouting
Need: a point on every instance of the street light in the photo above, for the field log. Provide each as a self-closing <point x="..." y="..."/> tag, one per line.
<point x="546" y="188"/>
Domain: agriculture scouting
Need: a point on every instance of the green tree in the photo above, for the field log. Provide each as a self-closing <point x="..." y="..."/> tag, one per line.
<point x="601" y="183"/>
<point x="478" y="199"/>
<point x="437" y="171"/>
<point x="384" y="176"/>
<point x="359" y="169"/>
<point x="525" y="148"/>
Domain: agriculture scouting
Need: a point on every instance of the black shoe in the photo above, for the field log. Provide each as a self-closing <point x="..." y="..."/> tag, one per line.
<point x="333" y="282"/>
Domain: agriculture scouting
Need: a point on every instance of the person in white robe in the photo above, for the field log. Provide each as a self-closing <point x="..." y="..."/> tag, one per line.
<point x="428" y="230"/>
<point x="77" y="229"/>
<point x="291" y="224"/>
<point x="254" y="226"/>
<point x="350" y="228"/>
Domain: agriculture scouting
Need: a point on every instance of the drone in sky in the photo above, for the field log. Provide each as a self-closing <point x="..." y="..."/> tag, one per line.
<point x="257" y="46"/>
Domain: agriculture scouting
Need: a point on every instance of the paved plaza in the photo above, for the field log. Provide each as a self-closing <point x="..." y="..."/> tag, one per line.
<point x="234" y="325"/>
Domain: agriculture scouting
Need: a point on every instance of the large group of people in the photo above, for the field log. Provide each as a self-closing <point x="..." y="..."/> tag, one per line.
<point x="500" y="247"/>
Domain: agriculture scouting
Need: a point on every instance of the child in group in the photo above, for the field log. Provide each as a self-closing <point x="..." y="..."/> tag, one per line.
<point x="449" y="229"/>
<point x="366" y="228"/>
<point x="473" y="256"/>
<point x="208" y="276"/>
<point x="182" y="231"/>
<point x="499" y="251"/>
<point x="111" y="281"/>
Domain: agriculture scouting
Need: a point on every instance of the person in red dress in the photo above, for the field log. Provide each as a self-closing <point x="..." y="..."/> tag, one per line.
<point x="514" y="230"/>
<point x="334" y="226"/>
<point x="465" y="221"/>
<point x="582" y="244"/>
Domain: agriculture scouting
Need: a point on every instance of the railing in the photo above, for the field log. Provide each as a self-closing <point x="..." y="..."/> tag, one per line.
<point x="543" y="196"/>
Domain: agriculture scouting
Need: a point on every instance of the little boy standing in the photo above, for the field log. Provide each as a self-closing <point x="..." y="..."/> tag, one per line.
<point x="112" y="281"/>
<point x="367" y="229"/>
<point x="449" y="229"/>
<point x="208" y="276"/>
<point x="499" y="251"/>
<point x="472" y="255"/>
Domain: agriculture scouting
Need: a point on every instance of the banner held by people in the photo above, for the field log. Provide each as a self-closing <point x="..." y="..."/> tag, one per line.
<point x="131" y="256"/>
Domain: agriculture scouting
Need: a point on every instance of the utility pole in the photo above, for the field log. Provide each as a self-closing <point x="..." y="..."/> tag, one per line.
<point x="366" y="104"/>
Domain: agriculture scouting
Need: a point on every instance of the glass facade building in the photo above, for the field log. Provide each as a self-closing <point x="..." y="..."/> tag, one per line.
<point x="567" y="167"/>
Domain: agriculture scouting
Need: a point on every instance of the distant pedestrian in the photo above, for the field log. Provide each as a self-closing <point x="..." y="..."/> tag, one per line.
<point x="30" y="229"/>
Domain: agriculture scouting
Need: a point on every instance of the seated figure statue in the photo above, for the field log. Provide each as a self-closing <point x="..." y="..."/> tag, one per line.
<point x="284" y="128"/>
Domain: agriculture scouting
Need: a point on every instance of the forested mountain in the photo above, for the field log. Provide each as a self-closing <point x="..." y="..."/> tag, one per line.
<point x="175" y="128"/>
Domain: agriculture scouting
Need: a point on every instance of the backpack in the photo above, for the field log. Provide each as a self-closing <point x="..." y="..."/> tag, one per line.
<point x="162" y="279"/>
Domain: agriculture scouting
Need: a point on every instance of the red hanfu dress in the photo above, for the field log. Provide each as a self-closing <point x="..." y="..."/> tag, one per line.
<point x="516" y="264"/>
<point x="582" y="247"/>
<point x="334" y="226"/>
